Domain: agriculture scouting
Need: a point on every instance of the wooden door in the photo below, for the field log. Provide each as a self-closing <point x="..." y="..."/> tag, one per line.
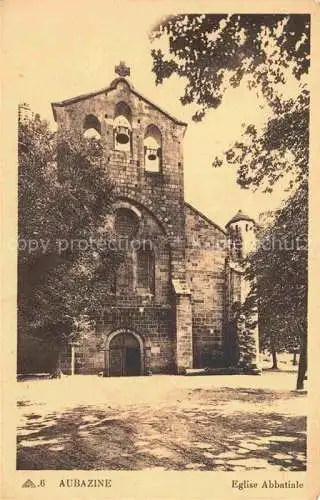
<point x="124" y="355"/>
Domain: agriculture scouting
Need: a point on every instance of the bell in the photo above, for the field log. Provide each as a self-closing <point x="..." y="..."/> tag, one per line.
<point x="122" y="138"/>
<point x="152" y="154"/>
<point x="122" y="135"/>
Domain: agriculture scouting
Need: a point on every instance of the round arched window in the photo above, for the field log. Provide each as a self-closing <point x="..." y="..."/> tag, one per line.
<point x="126" y="223"/>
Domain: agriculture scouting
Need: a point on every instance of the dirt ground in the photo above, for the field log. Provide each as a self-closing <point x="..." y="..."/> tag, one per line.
<point x="163" y="422"/>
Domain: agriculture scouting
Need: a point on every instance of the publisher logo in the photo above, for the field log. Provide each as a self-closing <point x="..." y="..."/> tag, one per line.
<point x="28" y="484"/>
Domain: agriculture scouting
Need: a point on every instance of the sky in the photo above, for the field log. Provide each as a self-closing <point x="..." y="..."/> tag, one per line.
<point x="56" y="50"/>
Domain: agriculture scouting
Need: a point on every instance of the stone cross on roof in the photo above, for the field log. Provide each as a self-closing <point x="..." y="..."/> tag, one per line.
<point x="122" y="70"/>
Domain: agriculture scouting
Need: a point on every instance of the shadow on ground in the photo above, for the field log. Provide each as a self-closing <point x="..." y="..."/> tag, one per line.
<point x="195" y="434"/>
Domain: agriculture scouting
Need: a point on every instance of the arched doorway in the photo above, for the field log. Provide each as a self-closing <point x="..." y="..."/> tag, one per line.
<point x="125" y="354"/>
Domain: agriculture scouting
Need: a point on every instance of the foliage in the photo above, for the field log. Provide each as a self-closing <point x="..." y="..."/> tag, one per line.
<point x="214" y="52"/>
<point x="247" y="325"/>
<point x="278" y="269"/>
<point x="64" y="197"/>
<point x="280" y="151"/>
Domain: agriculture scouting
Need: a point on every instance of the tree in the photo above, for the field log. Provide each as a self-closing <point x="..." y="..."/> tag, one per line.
<point x="212" y="52"/>
<point x="275" y="331"/>
<point x="63" y="260"/>
<point x="280" y="267"/>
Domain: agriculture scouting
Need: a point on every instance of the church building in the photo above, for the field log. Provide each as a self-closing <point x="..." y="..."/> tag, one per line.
<point x="172" y="302"/>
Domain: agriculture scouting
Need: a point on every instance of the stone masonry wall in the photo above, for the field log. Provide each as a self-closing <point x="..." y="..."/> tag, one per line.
<point x="184" y="346"/>
<point x="162" y="194"/>
<point x="206" y="252"/>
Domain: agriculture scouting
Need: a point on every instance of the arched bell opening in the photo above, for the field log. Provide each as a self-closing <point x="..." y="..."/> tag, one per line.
<point x="91" y="127"/>
<point x="122" y="128"/>
<point x="152" y="149"/>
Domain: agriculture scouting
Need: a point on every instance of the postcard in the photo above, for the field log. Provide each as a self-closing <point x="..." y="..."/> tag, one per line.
<point x="159" y="233"/>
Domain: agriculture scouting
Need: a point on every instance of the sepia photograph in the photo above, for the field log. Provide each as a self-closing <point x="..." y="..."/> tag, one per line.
<point x="162" y="242"/>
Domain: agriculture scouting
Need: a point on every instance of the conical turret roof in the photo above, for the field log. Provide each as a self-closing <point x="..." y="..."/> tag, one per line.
<point x="239" y="217"/>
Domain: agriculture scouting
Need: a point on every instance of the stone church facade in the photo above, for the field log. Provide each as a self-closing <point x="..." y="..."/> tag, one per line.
<point x="171" y="302"/>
